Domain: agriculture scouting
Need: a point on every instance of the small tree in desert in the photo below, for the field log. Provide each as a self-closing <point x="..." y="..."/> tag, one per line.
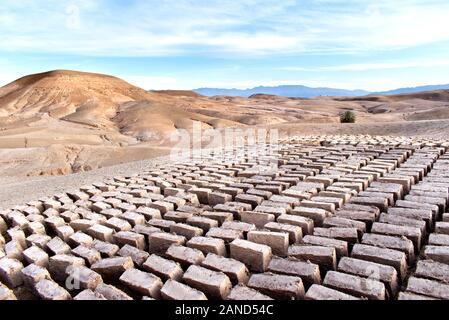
<point x="347" y="117"/>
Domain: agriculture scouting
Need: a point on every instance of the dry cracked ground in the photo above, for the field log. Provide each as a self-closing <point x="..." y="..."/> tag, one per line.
<point x="322" y="217"/>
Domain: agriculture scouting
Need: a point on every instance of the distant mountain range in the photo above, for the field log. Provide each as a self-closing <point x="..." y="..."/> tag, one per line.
<point x="298" y="91"/>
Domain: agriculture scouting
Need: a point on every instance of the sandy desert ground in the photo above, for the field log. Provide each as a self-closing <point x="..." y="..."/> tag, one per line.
<point x="64" y="122"/>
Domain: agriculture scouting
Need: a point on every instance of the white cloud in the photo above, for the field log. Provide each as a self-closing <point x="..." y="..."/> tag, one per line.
<point x="144" y="28"/>
<point x="386" y="65"/>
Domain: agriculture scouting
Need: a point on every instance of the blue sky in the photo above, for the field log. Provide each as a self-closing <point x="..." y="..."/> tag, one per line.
<point x="185" y="44"/>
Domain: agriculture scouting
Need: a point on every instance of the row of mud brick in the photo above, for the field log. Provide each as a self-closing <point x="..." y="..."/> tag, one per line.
<point x="292" y="221"/>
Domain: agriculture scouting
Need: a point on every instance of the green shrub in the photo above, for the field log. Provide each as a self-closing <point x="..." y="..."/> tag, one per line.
<point x="347" y="117"/>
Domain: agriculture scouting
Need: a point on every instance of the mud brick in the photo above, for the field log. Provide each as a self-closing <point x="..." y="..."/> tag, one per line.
<point x="239" y="226"/>
<point x="416" y="214"/>
<point x="145" y="230"/>
<point x="16" y="234"/>
<point x="185" y="255"/>
<point x="59" y="265"/>
<point x="38" y="240"/>
<point x="3" y="226"/>
<point x="101" y="232"/>
<point x="227" y="235"/>
<point x="88" y="295"/>
<point x="345" y="223"/>
<point x="319" y="292"/>
<point x="186" y="230"/>
<point x="260" y="193"/>
<point x="294" y="232"/>
<point x="231" y="190"/>
<point x="277" y="241"/>
<point x="439" y="239"/>
<point x="35" y="218"/>
<point x="442" y="227"/>
<point x="161" y="224"/>
<point x="191" y="209"/>
<point x="345" y="196"/>
<point x="172" y="191"/>
<point x="178" y="216"/>
<point x="215" y="284"/>
<point x="308" y="272"/>
<point x="14" y="250"/>
<point x="82" y="224"/>
<point x="259" y="219"/>
<point x="173" y="290"/>
<point x="357" y="186"/>
<point x="154" y="197"/>
<point x="160" y="242"/>
<point x="208" y="245"/>
<point x="397" y="243"/>
<point x="100" y="206"/>
<point x="50" y="290"/>
<point x="316" y="214"/>
<point x="10" y="272"/>
<point x="36" y="256"/>
<point x="138" y="256"/>
<point x="149" y="213"/>
<point x="215" y="198"/>
<point x="296" y="194"/>
<point x="202" y="222"/>
<point x="242" y="292"/>
<point x="84" y="277"/>
<point x="134" y="218"/>
<point x="337" y="202"/>
<point x="221" y="217"/>
<point x="69" y="216"/>
<point x="127" y="207"/>
<point x="271" y="210"/>
<point x="162" y="206"/>
<point x="35" y="227"/>
<point x="106" y="249"/>
<point x="255" y="256"/>
<point x="112" y="268"/>
<point x="32" y="274"/>
<point x="278" y="286"/>
<point x="142" y="282"/>
<point x="111" y="292"/>
<point x="90" y="255"/>
<point x="385" y="256"/>
<point x="306" y="224"/>
<point x="235" y="270"/>
<point x="413" y="296"/>
<point x="437" y="253"/>
<point x="202" y="194"/>
<point x="375" y="271"/>
<point x="355" y="285"/>
<point x="428" y="288"/>
<point x="418" y="206"/>
<point x="376" y="194"/>
<point x="52" y="204"/>
<point x="177" y="201"/>
<point x="359" y="207"/>
<point x="114" y="202"/>
<point x="57" y="246"/>
<point x="118" y="224"/>
<point x="340" y="246"/>
<point x="283" y="205"/>
<point x="432" y="270"/>
<point x="349" y="235"/>
<point x="132" y="238"/>
<point x="441" y="203"/>
<point x="394" y="188"/>
<point x="64" y="232"/>
<point x="412" y="233"/>
<point x="53" y="222"/>
<point x="316" y="204"/>
<point x="274" y="189"/>
<point x="381" y="203"/>
<point x="326" y="257"/>
<point x="252" y="200"/>
<point x="163" y="268"/>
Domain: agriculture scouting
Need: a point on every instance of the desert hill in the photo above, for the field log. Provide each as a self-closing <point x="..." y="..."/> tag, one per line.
<point x="63" y="121"/>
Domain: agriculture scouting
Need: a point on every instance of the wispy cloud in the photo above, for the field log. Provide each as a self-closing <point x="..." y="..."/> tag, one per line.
<point x="160" y="27"/>
<point x="388" y="65"/>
